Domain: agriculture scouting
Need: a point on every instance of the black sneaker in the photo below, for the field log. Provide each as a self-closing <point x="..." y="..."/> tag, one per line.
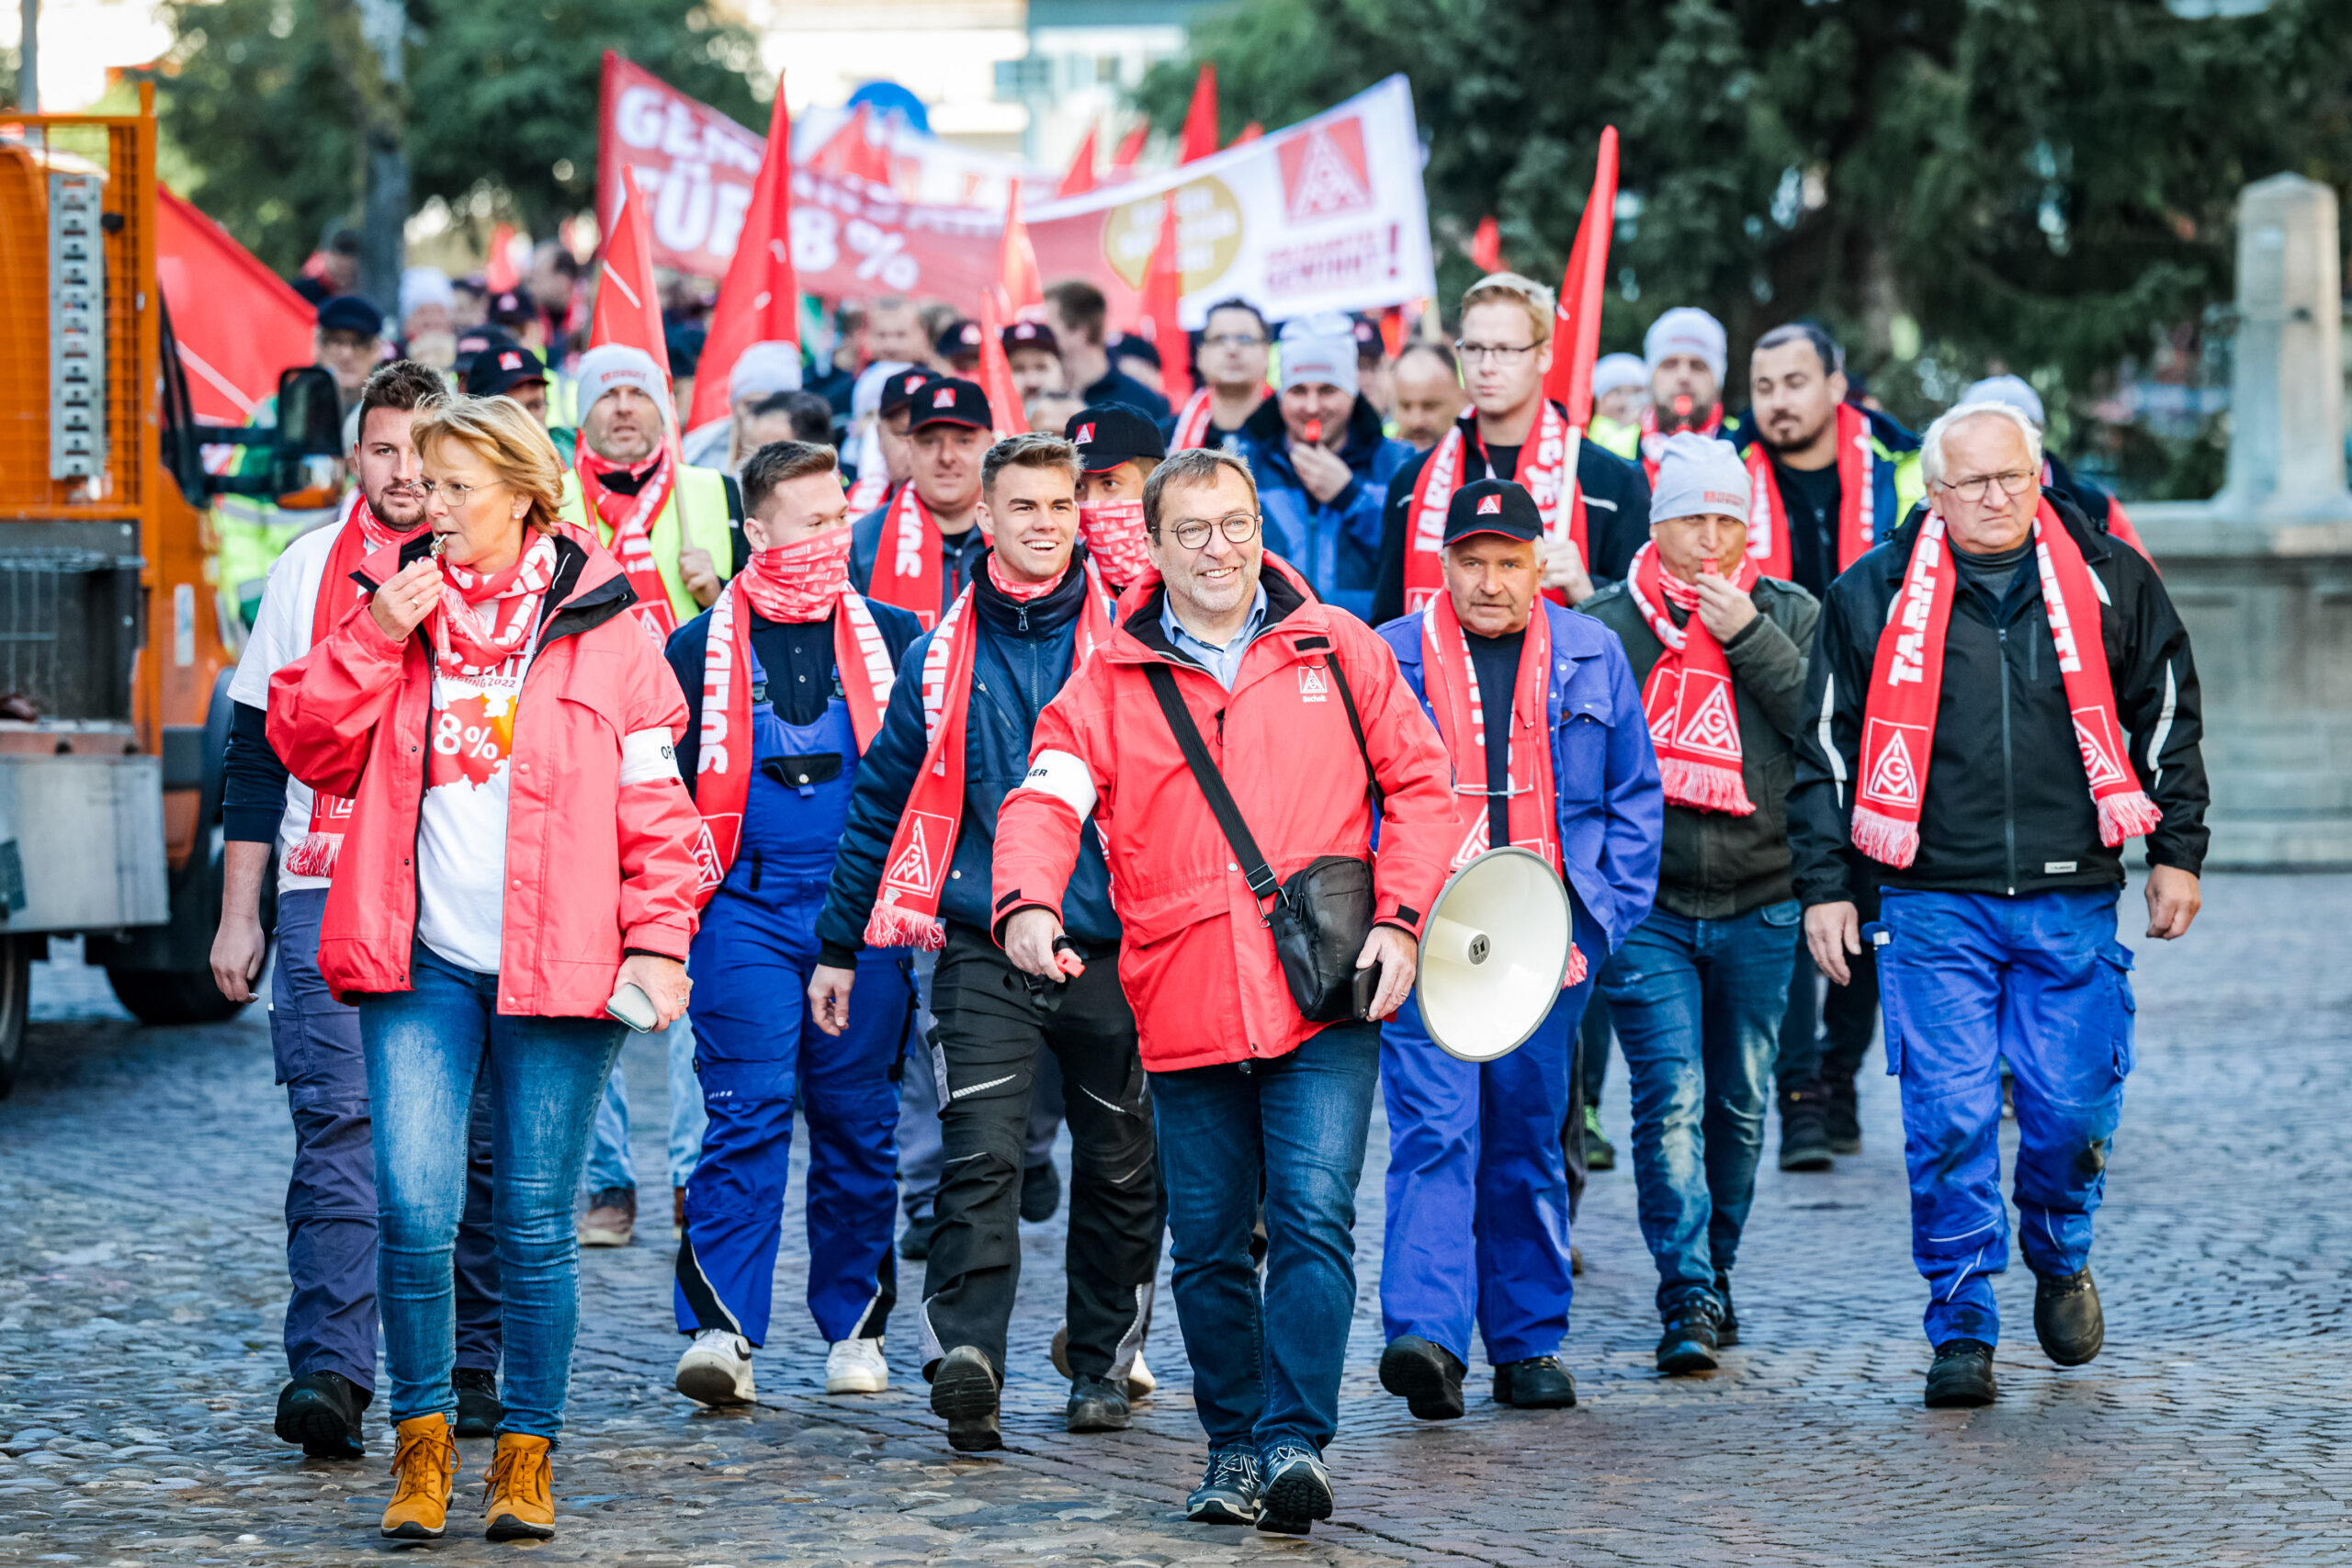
<point x="1841" y="1116"/>
<point x="1299" y="1490"/>
<point x="1804" y="1133"/>
<point x="914" y="1242"/>
<point x="2067" y="1318"/>
<point x="1096" y="1404"/>
<point x="1425" y="1376"/>
<point x="1691" y="1339"/>
<point x="1599" y="1154"/>
<point x="1963" y="1376"/>
<point x="1227" y="1494"/>
<point x="964" y="1393"/>
<point x="1041" y="1192"/>
<point x="479" y="1412"/>
<point x="1539" y="1383"/>
<point x="321" y="1412"/>
<point x="1726" y="1317"/>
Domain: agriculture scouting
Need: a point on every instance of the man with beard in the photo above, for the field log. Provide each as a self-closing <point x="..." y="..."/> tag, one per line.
<point x="1686" y="354"/>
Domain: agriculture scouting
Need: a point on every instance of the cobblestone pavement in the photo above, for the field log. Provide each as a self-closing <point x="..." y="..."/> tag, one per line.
<point x="140" y="1293"/>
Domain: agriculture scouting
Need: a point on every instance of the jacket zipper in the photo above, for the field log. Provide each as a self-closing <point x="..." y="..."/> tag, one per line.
<point x="2009" y="768"/>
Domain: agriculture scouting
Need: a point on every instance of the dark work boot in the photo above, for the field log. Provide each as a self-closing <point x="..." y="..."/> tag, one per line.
<point x="1425" y="1375"/>
<point x="320" y="1411"/>
<point x="964" y="1391"/>
<point x="1096" y="1404"/>
<point x="1692" y="1339"/>
<point x="1963" y="1376"/>
<point x="1805" y="1134"/>
<point x="1539" y="1383"/>
<point x="1841" y="1116"/>
<point x="479" y="1412"/>
<point x="2067" y="1318"/>
<point x="1726" y="1318"/>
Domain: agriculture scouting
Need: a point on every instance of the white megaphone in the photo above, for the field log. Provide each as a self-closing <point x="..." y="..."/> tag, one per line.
<point x="1494" y="951"/>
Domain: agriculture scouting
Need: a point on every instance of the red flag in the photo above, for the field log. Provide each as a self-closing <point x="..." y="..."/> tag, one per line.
<point x="759" y="300"/>
<point x="629" y="303"/>
<point x="1123" y="161"/>
<point x="1163" y="296"/>
<point x="1576" y="336"/>
<point x="1080" y="178"/>
<point x="1018" y="279"/>
<point x="1486" y="245"/>
<point x="237" y="322"/>
<point x="996" y="371"/>
<point x="1250" y="132"/>
<point x="498" y="273"/>
<point x="851" y="151"/>
<point x="1200" y="120"/>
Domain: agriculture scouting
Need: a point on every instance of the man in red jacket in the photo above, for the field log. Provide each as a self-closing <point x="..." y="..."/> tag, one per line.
<point x="1251" y="1097"/>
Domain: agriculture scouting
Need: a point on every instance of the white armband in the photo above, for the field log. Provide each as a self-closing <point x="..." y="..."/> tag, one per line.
<point x="1064" y="777"/>
<point x="647" y="757"/>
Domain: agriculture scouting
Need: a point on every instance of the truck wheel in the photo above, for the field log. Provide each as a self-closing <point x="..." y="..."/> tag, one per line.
<point x="164" y="997"/>
<point x="15" y="987"/>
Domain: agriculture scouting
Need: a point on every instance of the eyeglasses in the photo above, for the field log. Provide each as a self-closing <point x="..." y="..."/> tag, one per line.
<point x="1501" y="353"/>
<point x="1234" y="340"/>
<point x="1980" y="490"/>
<point x="455" y="494"/>
<point x="1238" y="528"/>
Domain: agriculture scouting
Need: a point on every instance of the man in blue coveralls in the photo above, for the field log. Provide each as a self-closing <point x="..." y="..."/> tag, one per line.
<point x="1539" y="712"/>
<point x="787" y="678"/>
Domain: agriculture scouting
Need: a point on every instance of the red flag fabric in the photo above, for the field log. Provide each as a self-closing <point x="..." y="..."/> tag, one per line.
<point x="851" y="151"/>
<point x="1577" y="334"/>
<point x="1200" y="120"/>
<point x="628" y="304"/>
<point x="759" y="300"/>
<point x="498" y="273"/>
<point x="1250" y="132"/>
<point x="1018" y="279"/>
<point x="237" y="322"/>
<point x="996" y="371"/>
<point x="1487" y="246"/>
<point x="1163" y="291"/>
<point x="1123" y="161"/>
<point x="1080" y="179"/>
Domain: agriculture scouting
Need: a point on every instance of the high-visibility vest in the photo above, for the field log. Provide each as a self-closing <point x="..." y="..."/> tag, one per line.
<point x="697" y="514"/>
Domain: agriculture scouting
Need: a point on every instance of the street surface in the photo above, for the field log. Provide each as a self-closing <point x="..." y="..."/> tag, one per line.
<point x="141" y="1288"/>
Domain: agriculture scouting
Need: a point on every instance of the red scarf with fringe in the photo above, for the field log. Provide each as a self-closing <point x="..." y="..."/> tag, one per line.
<point x="1693" y="717"/>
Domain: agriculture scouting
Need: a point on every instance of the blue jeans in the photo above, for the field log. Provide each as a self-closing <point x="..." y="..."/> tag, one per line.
<point x="609" y="1161"/>
<point x="1698" y="1004"/>
<point x="1266" y="1363"/>
<point x="425" y="1048"/>
<point x="1966" y="979"/>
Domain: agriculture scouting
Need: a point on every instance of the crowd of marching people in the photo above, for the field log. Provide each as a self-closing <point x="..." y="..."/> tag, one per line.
<point x="944" y="785"/>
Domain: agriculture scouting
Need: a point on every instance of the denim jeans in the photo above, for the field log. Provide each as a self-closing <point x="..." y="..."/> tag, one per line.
<point x="609" y="1161"/>
<point x="425" y="1048"/>
<point x="1266" y="1362"/>
<point x="1698" y="1004"/>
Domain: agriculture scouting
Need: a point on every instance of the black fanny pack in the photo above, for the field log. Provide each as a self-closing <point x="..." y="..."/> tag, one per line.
<point x="1322" y="916"/>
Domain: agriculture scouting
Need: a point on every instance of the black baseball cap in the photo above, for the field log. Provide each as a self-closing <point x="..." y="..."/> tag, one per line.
<point x="951" y="400"/>
<point x="500" y="367"/>
<point x="351" y="313"/>
<point x="1493" y="506"/>
<point x="1108" y="435"/>
<point x="900" y="389"/>
<point x="1134" y="345"/>
<point x="1032" y="335"/>
<point x="511" y="305"/>
<point x="961" y="340"/>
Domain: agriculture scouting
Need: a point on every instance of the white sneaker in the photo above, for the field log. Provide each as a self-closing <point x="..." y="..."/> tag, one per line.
<point x="855" y="1366"/>
<point x="1140" y="1382"/>
<point x="716" y="1369"/>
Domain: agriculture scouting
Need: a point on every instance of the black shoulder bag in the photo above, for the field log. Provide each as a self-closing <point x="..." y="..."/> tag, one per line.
<point x="1323" y="915"/>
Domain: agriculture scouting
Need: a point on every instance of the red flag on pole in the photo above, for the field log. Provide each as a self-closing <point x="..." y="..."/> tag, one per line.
<point x="996" y="371"/>
<point x="498" y="273"/>
<point x="1163" y="296"/>
<point x="1080" y="179"/>
<point x="629" y="303"/>
<point x="1250" y="132"/>
<point x="237" y="322"/>
<point x="851" y="151"/>
<point x="1578" y="333"/>
<point x="1018" y="279"/>
<point x="1200" y="120"/>
<point x="1487" y="246"/>
<point x="1123" y="161"/>
<point x="759" y="300"/>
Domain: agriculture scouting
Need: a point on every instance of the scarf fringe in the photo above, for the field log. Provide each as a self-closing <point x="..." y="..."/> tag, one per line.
<point x="1704" y="786"/>
<point x="2125" y="814"/>
<point x="891" y="926"/>
<point x="1577" y="971"/>
<point x="314" y="856"/>
<point x="1890" y="840"/>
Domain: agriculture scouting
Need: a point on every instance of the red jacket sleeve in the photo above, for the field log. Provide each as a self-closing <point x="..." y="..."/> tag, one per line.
<point x="324" y="707"/>
<point x="658" y="823"/>
<point x="1038" y="828"/>
<point x="1419" y="828"/>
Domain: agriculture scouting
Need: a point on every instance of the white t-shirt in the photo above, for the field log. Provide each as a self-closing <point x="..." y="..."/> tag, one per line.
<point x="461" y="829"/>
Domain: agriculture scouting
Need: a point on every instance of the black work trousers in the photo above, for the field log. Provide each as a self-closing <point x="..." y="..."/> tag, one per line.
<point x="993" y="1021"/>
<point x="1827" y="1029"/>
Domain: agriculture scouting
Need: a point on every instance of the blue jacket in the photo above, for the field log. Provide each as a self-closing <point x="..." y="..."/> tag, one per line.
<point x="1334" y="545"/>
<point x="1612" y="810"/>
<point x="1019" y="664"/>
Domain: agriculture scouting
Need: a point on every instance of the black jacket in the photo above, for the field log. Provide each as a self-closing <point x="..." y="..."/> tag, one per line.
<point x="2008" y="809"/>
<point x="1713" y="865"/>
<point x="1617" y="515"/>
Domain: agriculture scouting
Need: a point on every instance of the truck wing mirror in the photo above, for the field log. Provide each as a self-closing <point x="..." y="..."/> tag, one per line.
<point x="309" y="438"/>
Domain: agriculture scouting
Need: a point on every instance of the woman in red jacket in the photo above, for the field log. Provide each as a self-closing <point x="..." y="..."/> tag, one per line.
<point x="489" y="730"/>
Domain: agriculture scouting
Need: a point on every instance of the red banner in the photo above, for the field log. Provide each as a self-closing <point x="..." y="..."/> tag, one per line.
<point x="694" y="165"/>
<point x="237" y="322"/>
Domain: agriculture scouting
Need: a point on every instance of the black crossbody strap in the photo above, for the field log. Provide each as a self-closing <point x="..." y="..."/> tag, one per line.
<point x="1254" y="869"/>
<point x="1355" y="722"/>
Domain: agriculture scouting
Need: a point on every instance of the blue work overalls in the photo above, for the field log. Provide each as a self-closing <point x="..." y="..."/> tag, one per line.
<point x="758" y="1054"/>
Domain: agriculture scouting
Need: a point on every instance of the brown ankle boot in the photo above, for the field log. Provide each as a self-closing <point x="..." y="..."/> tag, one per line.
<point x="522" y="1499"/>
<point x="424" y="1467"/>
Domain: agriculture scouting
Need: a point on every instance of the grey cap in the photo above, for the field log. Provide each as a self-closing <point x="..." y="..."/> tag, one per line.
<point x="1699" y="475"/>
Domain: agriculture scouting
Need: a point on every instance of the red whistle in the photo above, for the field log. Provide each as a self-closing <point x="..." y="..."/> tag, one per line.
<point x="1314" y="433"/>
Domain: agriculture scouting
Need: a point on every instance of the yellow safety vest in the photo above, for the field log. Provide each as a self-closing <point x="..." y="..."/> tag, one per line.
<point x="695" y="514"/>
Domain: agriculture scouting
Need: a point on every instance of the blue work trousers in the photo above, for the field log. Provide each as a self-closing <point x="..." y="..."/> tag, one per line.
<point x="1964" y="980"/>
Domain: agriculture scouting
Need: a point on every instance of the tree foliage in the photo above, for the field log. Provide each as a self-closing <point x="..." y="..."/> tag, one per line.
<point x="262" y="97"/>
<point x="1949" y="184"/>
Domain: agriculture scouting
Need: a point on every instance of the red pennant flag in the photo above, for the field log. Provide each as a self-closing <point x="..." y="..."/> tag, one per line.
<point x="237" y="322"/>
<point x="1080" y="178"/>
<point x="1163" y="297"/>
<point x="1578" y="333"/>
<point x="1018" y="279"/>
<point x="629" y="303"/>
<point x="759" y="300"/>
<point x="1200" y="120"/>
<point x="1486" y="245"/>
<point x="498" y="273"/>
<point x="1250" y="132"/>
<point x="996" y="371"/>
<point x="1123" y="162"/>
<point x="851" y="151"/>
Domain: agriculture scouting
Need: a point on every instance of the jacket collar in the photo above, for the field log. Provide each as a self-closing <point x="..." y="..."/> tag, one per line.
<point x="1266" y="429"/>
<point x="1039" y="619"/>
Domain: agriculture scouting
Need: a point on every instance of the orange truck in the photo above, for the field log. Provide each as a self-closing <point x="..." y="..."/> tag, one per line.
<point x="114" y="669"/>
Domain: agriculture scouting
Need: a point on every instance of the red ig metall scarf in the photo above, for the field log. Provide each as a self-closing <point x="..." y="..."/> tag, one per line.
<point x="795" y="584"/>
<point x="1543" y="469"/>
<point x="906" y="561"/>
<point x="1116" y="543"/>
<point x="631" y="519"/>
<point x="483" y="621"/>
<point x="1451" y="680"/>
<point x="1907" y="678"/>
<point x="1693" y="719"/>
<point x="363" y="534"/>
<point x="906" y="912"/>
<point x="1193" y="421"/>
<point x="1767" y="519"/>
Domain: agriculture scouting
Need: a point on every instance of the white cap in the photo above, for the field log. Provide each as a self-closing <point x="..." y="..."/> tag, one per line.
<point x="1319" y="350"/>
<point x="1686" y="329"/>
<point x="423" y="285"/>
<point x="1615" y="370"/>
<point x="2010" y="389"/>
<point x="614" y="364"/>
<point x="763" y="369"/>
<point x="866" y="393"/>
<point x="1699" y="475"/>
